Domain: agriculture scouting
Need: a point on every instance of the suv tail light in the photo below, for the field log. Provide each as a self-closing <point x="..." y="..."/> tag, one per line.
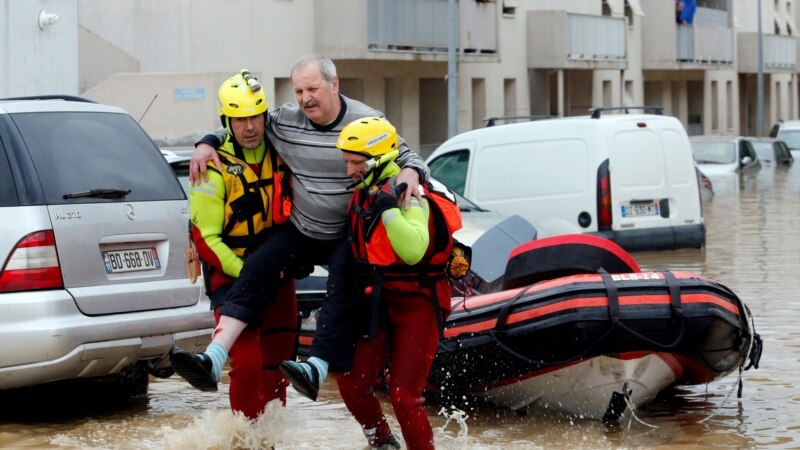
<point x="33" y="265"/>
<point x="604" y="214"/>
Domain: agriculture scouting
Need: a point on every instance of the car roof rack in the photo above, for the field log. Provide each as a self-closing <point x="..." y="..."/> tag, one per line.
<point x="597" y="112"/>
<point x="492" y="121"/>
<point x="71" y="98"/>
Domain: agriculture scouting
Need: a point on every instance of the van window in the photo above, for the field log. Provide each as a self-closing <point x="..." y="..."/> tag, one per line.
<point x="77" y="152"/>
<point x="451" y="169"/>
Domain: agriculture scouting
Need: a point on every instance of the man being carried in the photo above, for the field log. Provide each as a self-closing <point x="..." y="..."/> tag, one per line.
<point x="305" y="135"/>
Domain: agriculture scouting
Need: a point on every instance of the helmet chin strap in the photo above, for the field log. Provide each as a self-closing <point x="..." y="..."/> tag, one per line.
<point x="363" y="181"/>
<point x="373" y="169"/>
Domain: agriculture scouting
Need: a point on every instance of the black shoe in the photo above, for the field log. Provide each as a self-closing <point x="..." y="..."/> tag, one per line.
<point x="390" y="444"/>
<point x="194" y="369"/>
<point x="301" y="383"/>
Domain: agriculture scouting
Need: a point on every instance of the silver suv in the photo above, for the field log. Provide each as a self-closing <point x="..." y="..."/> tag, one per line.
<point x="93" y="272"/>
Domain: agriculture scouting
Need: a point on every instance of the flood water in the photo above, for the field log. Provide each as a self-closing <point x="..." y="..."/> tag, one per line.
<point x="753" y="248"/>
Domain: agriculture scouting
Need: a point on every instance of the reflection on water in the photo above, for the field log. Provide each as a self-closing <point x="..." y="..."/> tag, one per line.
<point x="753" y="248"/>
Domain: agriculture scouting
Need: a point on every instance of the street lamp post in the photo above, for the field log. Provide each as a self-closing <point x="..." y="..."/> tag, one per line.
<point x="452" y="72"/>
<point x="760" y="80"/>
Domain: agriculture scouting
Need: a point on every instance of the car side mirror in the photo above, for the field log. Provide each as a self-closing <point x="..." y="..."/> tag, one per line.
<point x="747" y="161"/>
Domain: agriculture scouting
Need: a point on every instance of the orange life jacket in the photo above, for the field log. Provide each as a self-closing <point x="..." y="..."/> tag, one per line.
<point x="378" y="265"/>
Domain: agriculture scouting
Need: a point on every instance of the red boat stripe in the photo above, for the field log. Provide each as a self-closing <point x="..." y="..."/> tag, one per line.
<point x="592" y="302"/>
<point x="494" y="297"/>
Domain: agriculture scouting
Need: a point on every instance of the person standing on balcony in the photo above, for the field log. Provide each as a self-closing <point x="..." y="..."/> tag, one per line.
<point x="232" y="215"/>
<point x="684" y="11"/>
<point x="305" y="135"/>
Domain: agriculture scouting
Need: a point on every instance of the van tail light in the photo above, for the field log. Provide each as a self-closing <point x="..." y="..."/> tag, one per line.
<point x="604" y="213"/>
<point x="33" y="265"/>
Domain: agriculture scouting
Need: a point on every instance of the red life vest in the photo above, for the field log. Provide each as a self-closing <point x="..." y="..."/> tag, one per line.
<point x="377" y="261"/>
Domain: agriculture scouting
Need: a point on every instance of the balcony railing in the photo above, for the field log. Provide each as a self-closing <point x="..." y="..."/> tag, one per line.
<point x="558" y="39"/>
<point x="422" y="26"/>
<point x="595" y="37"/>
<point x="704" y="45"/>
<point x="779" y="53"/>
<point x="670" y="46"/>
<point x="407" y="24"/>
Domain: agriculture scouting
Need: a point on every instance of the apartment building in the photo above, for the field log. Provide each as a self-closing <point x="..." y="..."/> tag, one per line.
<point x="163" y="60"/>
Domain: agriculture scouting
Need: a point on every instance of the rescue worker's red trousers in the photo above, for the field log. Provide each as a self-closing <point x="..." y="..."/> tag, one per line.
<point x="411" y="348"/>
<point x="257" y="352"/>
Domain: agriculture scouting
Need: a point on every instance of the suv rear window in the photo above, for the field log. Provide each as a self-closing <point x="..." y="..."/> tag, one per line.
<point x="81" y="151"/>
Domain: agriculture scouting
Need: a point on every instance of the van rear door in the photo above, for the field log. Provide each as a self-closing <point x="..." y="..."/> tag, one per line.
<point x="654" y="191"/>
<point x="639" y="185"/>
<point x="685" y="212"/>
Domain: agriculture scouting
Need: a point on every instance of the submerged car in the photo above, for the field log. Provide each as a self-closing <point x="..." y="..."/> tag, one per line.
<point x="788" y="131"/>
<point x="719" y="155"/>
<point x="93" y="268"/>
<point x="773" y="152"/>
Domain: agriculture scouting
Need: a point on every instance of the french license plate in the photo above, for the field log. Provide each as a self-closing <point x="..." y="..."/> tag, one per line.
<point x="131" y="260"/>
<point x="640" y="210"/>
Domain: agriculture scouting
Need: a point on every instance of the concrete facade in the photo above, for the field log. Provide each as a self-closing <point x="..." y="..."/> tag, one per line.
<point x="516" y="58"/>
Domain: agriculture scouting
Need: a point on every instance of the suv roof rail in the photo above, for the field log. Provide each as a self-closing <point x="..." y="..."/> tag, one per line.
<point x="597" y="112"/>
<point x="492" y="121"/>
<point x="71" y="98"/>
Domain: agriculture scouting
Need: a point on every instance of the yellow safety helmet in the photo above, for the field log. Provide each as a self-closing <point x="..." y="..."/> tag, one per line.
<point x="241" y="96"/>
<point x="370" y="136"/>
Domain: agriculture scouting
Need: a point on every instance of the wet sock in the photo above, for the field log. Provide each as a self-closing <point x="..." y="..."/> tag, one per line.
<point x="322" y="368"/>
<point x="218" y="354"/>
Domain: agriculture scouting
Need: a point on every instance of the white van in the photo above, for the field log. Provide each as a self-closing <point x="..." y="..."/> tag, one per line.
<point x="628" y="177"/>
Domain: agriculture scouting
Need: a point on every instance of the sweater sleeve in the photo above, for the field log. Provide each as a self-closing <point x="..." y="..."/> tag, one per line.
<point x="409" y="158"/>
<point x="215" y="138"/>
<point x="408" y="230"/>
<point x="207" y="206"/>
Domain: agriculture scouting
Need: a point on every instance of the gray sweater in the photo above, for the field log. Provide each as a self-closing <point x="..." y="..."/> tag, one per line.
<point x="319" y="178"/>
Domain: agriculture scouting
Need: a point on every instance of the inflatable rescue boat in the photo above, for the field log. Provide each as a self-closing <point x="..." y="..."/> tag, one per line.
<point x="576" y="327"/>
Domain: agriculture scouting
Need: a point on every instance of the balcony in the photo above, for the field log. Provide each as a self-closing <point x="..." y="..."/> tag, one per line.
<point x="562" y="40"/>
<point x="779" y="53"/>
<point x="708" y="43"/>
<point x="403" y="29"/>
<point x="704" y="45"/>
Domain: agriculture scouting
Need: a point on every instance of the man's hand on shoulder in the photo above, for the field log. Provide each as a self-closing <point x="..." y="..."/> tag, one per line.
<point x="410" y="177"/>
<point x="198" y="164"/>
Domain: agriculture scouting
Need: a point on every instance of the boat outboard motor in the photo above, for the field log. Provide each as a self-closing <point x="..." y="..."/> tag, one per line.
<point x="490" y="252"/>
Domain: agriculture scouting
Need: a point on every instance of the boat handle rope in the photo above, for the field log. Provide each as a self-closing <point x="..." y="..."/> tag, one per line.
<point x="500" y="328"/>
<point x="752" y="338"/>
<point x="613" y="305"/>
<point x="677" y="310"/>
<point x="613" y="296"/>
<point x="677" y="314"/>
